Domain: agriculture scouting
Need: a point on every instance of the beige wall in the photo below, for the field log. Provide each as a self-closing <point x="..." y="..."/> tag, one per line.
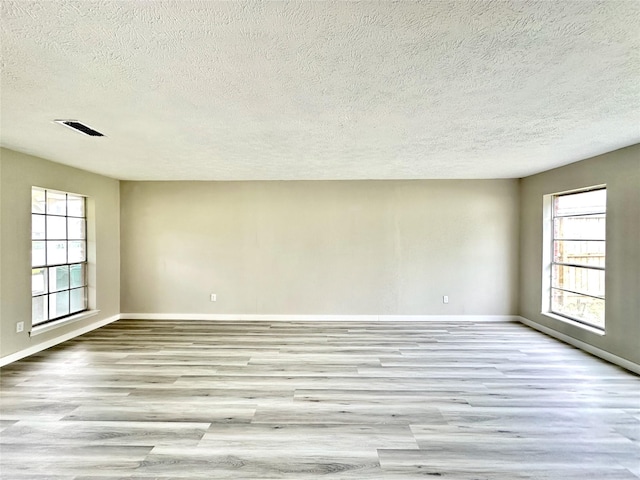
<point x="620" y="171"/>
<point x="18" y="173"/>
<point x="350" y="247"/>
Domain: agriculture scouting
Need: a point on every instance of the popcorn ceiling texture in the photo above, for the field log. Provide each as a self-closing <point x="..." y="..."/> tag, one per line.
<point x="320" y="90"/>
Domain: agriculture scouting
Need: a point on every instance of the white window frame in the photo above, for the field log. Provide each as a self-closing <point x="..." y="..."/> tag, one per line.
<point x="549" y="262"/>
<point x="51" y="322"/>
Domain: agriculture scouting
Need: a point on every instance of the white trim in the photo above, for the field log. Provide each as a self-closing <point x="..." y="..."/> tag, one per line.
<point x="583" y="326"/>
<point x="319" y="318"/>
<point x="40" y="329"/>
<point x="55" y="341"/>
<point x="598" y="352"/>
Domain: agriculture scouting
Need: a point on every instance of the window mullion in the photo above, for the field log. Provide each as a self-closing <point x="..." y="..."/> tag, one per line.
<point x="590" y="214"/>
<point x="578" y="293"/>
<point x="46" y="313"/>
<point x="558" y="239"/>
<point x="576" y="265"/>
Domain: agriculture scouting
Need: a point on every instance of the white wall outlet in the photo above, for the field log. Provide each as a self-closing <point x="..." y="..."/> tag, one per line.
<point x="213" y="297"/>
<point x="445" y="299"/>
<point x="19" y="327"/>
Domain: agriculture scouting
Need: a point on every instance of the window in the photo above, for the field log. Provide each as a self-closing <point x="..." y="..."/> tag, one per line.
<point x="58" y="255"/>
<point x="578" y="256"/>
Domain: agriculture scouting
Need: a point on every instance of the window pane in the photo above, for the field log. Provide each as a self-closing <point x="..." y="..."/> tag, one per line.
<point x="77" y="252"/>
<point x="59" y="304"/>
<point x="37" y="200"/>
<point x="594" y="201"/>
<point x="76" y="228"/>
<point x="77" y="275"/>
<point x="577" y="279"/>
<point x="56" y="228"/>
<point x="579" y="252"/>
<point x="78" y="302"/>
<point x="37" y="227"/>
<point x="38" y="254"/>
<point x="579" y="228"/>
<point x="588" y="309"/>
<point x="39" y="309"/>
<point x="56" y="252"/>
<point x="58" y="278"/>
<point x="75" y="205"/>
<point x="56" y="203"/>
<point x="39" y="281"/>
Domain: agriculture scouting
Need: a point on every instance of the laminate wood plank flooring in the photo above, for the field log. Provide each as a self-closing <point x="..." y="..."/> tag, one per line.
<point x="143" y="399"/>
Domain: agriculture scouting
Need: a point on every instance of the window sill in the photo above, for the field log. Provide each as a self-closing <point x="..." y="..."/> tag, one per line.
<point x="37" y="330"/>
<point x="588" y="328"/>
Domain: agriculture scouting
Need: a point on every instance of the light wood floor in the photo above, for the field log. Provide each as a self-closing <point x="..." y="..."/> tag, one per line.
<point x="261" y="400"/>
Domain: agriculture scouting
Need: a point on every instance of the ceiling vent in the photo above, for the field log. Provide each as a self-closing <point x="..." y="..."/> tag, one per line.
<point x="80" y="127"/>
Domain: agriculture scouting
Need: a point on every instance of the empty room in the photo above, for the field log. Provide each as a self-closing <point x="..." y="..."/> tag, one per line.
<point x="302" y="240"/>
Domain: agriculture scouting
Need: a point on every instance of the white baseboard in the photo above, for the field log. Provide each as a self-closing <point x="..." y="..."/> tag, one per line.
<point x="598" y="352"/>
<point x="55" y="341"/>
<point x="319" y="318"/>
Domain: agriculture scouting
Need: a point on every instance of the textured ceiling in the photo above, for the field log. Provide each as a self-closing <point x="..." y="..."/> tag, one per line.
<point x="320" y="90"/>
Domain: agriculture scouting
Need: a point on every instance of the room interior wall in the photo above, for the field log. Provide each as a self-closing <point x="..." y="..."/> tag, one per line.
<point x="341" y="248"/>
<point x="19" y="172"/>
<point x="620" y="171"/>
<point x="320" y="247"/>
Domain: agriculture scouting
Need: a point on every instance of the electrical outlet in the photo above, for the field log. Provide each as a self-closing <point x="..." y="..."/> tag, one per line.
<point x="214" y="297"/>
<point x="19" y="327"/>
<point x="445" y="299"/>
